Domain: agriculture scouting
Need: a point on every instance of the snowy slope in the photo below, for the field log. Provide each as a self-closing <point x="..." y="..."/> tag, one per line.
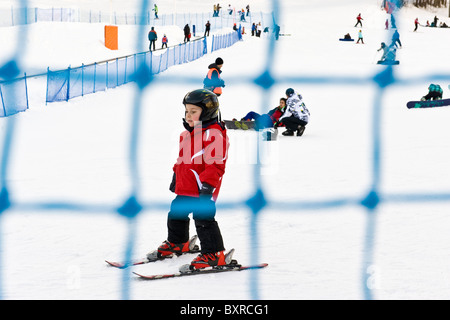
<point x="77" y="152"/>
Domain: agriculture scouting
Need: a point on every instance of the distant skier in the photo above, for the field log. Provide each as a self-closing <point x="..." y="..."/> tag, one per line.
<point x="155" y="8"/>
<point x="359" y="20"/>
<point x="164" y="42"/>
<point x="416" y="24"/>
<point x="434" y="93"/>
<point x="296" y="115"/>
<point x="360" y="37"/>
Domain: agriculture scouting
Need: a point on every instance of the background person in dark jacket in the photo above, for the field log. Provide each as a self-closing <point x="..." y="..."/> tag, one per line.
<point x="152" y="37"/>
<point x="187" y="31"/>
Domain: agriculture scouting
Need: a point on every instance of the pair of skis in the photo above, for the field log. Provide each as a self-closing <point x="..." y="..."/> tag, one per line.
<point x="185" y="270"/>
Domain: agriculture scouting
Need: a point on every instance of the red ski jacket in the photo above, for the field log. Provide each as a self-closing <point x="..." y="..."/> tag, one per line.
<point x="202" y="158"/>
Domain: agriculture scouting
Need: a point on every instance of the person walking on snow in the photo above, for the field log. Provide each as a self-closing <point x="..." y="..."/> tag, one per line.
<point x="187" y="32"/>
<point x="296" y="115"/>
<point x="360" y="37"/>
<point x="197" y="177"/>
<point x="359" y="20"/>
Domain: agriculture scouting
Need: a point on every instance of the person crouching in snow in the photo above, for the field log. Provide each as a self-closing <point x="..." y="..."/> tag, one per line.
<point x="434" y="93"/>
<point x="296" y="115"/>
<point x="197" y="177"/>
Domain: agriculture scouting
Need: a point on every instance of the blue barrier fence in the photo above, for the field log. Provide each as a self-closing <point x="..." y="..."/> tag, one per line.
<point x="13" y="96"/>
<point x="63" y="85"/>
<point x="21" y="16"/>
<point x="74" y="82"/>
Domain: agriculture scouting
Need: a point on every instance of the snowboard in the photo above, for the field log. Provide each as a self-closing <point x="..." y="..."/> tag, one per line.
<point x="428" y="104"/>
<point x="342" y="39"/>
<point x="388" y="62"/>
<point x="236" y="124"/>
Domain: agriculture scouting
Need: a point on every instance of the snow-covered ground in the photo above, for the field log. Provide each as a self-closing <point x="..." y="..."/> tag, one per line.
<point x="77" y="152"/>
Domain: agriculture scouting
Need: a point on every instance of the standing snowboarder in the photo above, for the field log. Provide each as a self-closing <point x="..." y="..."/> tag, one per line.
<point x="196" y="181"/>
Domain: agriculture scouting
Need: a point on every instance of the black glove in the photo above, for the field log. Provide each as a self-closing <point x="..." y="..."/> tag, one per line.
<point x="172" y="184"/>
<point x="206" y="190"/>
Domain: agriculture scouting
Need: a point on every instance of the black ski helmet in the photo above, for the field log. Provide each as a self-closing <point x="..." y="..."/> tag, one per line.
<point x="289" y="92"/>
<point x="205" y="99"/>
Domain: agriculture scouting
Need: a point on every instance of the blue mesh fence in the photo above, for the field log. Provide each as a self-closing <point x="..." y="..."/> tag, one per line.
<point x="129" y="70"/>
<point x="66" y="84"/>
<point x="13" y="97"/>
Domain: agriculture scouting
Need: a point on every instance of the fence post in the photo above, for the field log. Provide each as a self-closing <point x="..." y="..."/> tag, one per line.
<point x="82" y="79"/>
<point x="46" y="94"/>
<point x="95" y="74"/>
<point x="26" y="87"/>
<point x="68" y="83"/>
<point x="1" y="99"/>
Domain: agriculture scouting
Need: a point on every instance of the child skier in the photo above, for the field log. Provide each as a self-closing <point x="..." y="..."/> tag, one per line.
<point x="164" y="41"/>
<point x="296" y="116"/>
<point x="196" y="182"/>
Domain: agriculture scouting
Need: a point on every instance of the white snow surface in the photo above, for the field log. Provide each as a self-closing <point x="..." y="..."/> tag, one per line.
<point x="77" y="152"/>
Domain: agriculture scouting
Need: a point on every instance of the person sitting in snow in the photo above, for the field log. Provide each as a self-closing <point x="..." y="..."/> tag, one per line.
<point x="267" y="120"/>
<point x="296" y="115"/>
<point x="434" y="93"/>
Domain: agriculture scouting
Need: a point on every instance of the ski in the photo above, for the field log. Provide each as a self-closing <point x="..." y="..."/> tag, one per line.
<point x="153" y="257"/>
<point x="227" y="268"/>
